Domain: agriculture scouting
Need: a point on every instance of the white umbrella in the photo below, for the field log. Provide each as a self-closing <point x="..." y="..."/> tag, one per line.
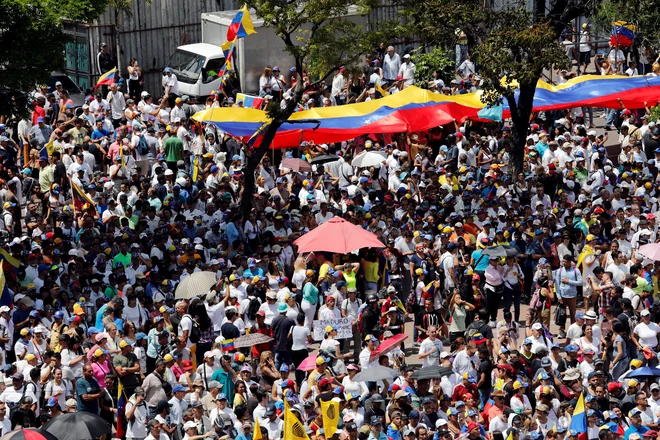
<point x="373" y="374"/>
<point x="369" y="159"/>
<point x="197" y="284"/>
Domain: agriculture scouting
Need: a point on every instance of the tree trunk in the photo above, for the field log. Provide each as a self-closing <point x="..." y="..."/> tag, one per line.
<point x="521" y="110"/>
<point x="253" y="162"/>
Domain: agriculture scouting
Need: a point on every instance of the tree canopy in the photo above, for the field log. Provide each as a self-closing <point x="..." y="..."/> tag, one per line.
<point x="321" y="36"/>
<point x="32" y="45"/>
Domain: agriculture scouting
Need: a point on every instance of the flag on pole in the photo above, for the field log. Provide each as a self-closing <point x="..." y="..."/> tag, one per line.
<point x="121" y="411"/>
<point x="241" y="26"/>
<point x="293" y="429"/>
<point x="330" y="412"/>
<point x="256" y="434"/>
<point x="80" y="197"/>
<point x="107" y="78"/>
<point x="579" y="419"/>
<point x="228" y="50"/>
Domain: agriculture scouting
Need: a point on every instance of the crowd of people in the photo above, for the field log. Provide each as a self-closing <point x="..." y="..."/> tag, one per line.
<point x="106" y="212"/>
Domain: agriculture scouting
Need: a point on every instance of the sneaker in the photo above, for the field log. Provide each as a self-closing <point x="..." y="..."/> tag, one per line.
<point x="492" y="324"/>
<point x="562" y="334"/>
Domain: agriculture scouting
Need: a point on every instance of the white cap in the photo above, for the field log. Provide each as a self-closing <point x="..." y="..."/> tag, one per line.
<point x="189" y="425"/>
<point x="169" y="172"/>
<point x="440" y="422"/>
<point x="644" y="312"/>
<point x="537" y="326"/>
<point x="445" y="355"/>
<point x="144" y="93"/>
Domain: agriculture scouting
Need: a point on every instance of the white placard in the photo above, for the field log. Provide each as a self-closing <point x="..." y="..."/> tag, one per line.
<point x="343" y="325"/>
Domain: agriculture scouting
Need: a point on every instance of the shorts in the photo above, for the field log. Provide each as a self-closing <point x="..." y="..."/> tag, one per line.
<point x="585" y="57"/>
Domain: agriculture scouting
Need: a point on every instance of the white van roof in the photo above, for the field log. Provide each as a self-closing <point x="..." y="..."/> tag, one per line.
<point x="204" y="49"/>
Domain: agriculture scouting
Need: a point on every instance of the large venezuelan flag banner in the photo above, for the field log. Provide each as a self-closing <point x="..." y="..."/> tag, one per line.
<point x="414" y="109"/>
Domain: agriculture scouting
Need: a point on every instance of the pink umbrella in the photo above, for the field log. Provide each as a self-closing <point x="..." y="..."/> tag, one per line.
<point x="650" y="251"/>
<point x="308" y="364"/>
<point x="337" y="236"/>
<point x="387" y="345"/>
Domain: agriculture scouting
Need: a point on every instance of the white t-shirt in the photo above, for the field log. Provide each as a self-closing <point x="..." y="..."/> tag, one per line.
<point x="299" y="335"/>
<point x="428" y="345"/>
<point x="186" y="324"/>
<point x="647" y="334"/>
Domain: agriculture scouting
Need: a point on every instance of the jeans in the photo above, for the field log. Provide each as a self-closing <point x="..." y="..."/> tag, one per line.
<point x="611" y="114"/>
<point x="512" y="296"/>
<point x="282" y="357"/>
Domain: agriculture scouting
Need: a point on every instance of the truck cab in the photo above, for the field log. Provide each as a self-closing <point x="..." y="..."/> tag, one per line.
<point x="197" y="68"/>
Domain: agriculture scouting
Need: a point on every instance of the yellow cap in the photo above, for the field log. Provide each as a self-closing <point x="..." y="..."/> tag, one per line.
<point x="309" y="273"/>
<point x="98" y="352"/>
<point x="320" y="361"/>
<point x="416" y="234"/>
<point x="162" y="309"/>
<point x="447" y="230"/>
<point x="123" y="343"/>
<point x="419" y="271"/>
<point x="168" y="128"/>
<point x="590" y="237"/>
<point x="232" y="277"/>
<point x="29" y="357"/>
<point x="517" y="385"/>
<point x="305" y="182"/>
<point x="636" y="363"/>
<point x="78" y="310"/>
<point x="328" y="328"/>
<point x="648" y="185"/>
<point x="255" y="279"/>
<point x="408" y="196"/>
<point x="24" y="332"/>
<point x="168" y="358"/>
<point x="633" y="383"/>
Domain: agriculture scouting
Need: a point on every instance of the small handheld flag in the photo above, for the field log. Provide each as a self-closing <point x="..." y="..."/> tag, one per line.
<point x="107" y="78"/>
<point x="256" y="434"/>
<point x="579" y="419"/>
<point x="330" y="412"/>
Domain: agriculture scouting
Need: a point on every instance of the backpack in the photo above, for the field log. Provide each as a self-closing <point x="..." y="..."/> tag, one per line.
<point x="536" y="303"/>
<point x="471" y="331"/>
<point x="253" y="308"/>
<point x="16" y="406"/>
<point x="143" y="147"/>
<point x="195" y="333"/>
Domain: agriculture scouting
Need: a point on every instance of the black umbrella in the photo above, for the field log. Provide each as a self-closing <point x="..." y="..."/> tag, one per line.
<point x="503" y="250"/>
<point x="431" y="373"/>
<point x="28" y="434"/>
<point x="78" y="426"/>
<point x="319" y="160"/>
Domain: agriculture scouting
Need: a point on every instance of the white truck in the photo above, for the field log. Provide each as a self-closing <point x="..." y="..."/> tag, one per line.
<point x="196" y="65"/>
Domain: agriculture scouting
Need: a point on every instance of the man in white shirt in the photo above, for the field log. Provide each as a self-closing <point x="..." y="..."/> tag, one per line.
<point x="391" y="65"/>
<point x="574" y="332"/>
<point x="466" y="360"/>
<point x="430" y="348"/>
<point x="407" y="71"/>
<point x="117" y="104"/>
<point x="338" y="86"/>
<point x="171" y="86"/>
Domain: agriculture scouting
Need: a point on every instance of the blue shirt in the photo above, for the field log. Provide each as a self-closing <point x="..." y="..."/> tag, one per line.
<point x="83" y="386"/>
<point x="226" y="381"/>
<point x="568" y="290"/>
<point x="480" y="264"/>
<point x="631" y="430"/>
<point x="99" y="316"/>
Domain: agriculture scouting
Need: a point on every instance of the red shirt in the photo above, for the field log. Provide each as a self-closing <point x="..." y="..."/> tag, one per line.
<point x="36" y="113"/>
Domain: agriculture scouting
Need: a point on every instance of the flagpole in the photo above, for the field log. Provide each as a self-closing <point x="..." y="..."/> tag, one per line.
<point x="73" y="199"/>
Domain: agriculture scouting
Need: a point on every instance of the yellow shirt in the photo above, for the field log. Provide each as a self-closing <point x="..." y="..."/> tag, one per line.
<point x="323" y="270"/>
<point x="370" y="271"/>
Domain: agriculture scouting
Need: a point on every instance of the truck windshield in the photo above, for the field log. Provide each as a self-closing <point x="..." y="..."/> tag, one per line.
<point x="187" y="66"/>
